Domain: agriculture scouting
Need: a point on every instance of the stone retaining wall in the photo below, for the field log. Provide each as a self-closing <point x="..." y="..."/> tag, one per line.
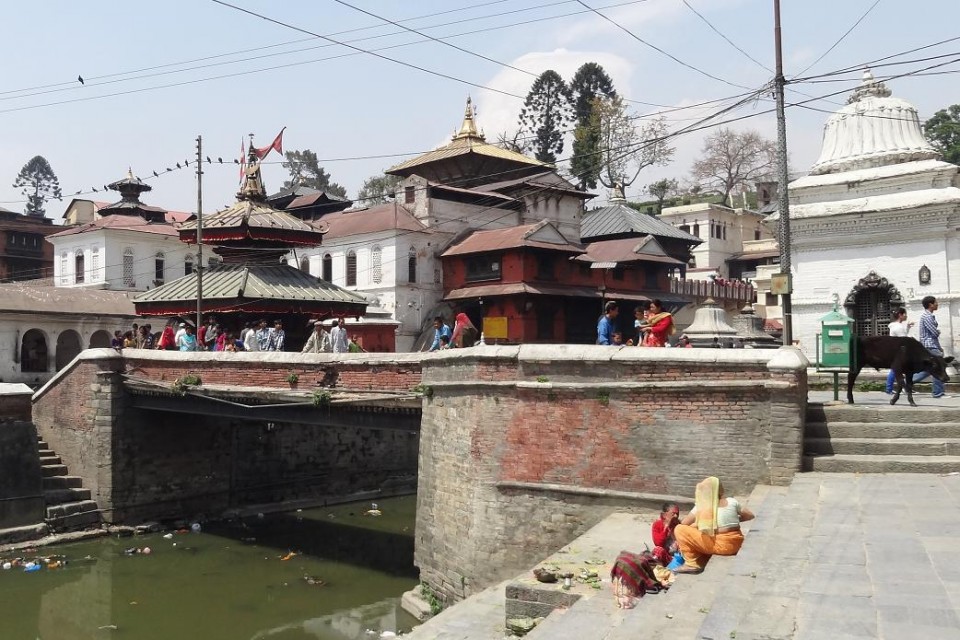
<point x="524" y="448"/>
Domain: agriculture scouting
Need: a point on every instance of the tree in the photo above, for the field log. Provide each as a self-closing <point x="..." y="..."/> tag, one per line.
<point x="38" y="183"/>
<point x="306" y="172"/>
<point x="515" y="142"/>
<point x="546" y="111"/>
<point x="661" y="189"/>
<point x="731" y="159"/>
<point x="589" y="83"/>
<point x="378" y="189"/>
<point x="623" y="148"/>
<point x="943" y="132"/>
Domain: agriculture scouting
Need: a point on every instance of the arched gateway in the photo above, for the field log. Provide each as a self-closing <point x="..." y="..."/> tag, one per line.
<point x="872" y="303"/>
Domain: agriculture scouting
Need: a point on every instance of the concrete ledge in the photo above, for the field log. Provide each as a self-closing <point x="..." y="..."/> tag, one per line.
<point x="655" y="498"/>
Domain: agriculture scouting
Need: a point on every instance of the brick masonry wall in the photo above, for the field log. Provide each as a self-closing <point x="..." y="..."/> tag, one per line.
<point x="512" y="468"/>
<point x="144" y="465"/>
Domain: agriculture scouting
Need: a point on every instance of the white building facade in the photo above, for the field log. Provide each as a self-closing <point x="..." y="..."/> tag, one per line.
<point x="875" y="224"/>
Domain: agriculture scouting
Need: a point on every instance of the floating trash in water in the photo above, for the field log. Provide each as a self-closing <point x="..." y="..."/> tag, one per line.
<point x="168" y="536"/>
<point x="109" y="627"/>
<point x="314" y="581"/>
<point x="373" y="512"/>
<point x="30" y="567"/>
<point x="195" y="527"/>
<point x="7" y="566"/>
<point x="292" y="554"/>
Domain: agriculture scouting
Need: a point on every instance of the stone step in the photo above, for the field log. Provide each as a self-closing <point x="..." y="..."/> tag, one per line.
<point x="841" y="429"/>
<point x="883" y="446"/>
<point x="74" y="521"/>
<point x="71" y="508"/>
<point x="46" y="453"/>
<point x="42" y="445"/>
<point x="883" y="413"/>
<point x="62" y="482"/>
<point x="60" y="496"/>
<point x="50" y="470"/>
<point x="850" y="463"/>
<point x="51" y="459"/>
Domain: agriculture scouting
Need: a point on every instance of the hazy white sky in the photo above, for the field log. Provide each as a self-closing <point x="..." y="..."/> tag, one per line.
<point x="174" y="72"/>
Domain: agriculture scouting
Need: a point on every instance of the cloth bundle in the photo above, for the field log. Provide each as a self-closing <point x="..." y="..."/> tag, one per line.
<point x="633" y="577"/>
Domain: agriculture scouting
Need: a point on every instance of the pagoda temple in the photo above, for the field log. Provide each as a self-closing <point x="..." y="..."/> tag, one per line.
<point x="251" y="237"/>
<point x="130" y="189"/>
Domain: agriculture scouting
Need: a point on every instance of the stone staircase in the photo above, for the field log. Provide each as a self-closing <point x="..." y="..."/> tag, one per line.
<point x="69" y="506"/>
<point x="882" y="439"/>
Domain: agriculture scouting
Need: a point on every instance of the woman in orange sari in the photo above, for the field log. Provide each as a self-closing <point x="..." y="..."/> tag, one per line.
<point x="712" y="528"/>
<point x="659" y="325"/>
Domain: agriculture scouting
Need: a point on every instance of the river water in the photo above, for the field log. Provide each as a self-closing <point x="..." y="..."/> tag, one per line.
<point x="230" y="581"/>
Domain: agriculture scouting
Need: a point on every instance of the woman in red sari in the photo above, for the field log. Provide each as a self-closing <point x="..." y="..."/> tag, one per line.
<point x="660" y="325"/>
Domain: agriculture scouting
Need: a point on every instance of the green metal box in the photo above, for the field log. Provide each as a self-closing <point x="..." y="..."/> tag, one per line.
<point x="836" y="340"/>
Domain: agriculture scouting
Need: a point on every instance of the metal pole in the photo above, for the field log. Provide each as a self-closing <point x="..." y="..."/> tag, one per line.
<point x="199" y="265"/>
<point x="783" y="200"/>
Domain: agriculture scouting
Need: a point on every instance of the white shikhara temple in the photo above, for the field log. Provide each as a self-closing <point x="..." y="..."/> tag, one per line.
<point x="875" y="223"/>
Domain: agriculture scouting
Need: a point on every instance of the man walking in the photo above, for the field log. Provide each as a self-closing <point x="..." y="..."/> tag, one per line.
<point x="606" y="327"/>
<point x="338" y="337"/>
<point x="930" y="339"/>
<point x="319" y="341"/>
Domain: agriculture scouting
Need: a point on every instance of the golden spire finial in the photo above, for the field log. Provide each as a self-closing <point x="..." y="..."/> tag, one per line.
<point x="469" y="127"/>
<point x="130" y="172"/>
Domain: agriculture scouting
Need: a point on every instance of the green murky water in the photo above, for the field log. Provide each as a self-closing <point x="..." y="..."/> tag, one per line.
<point x="230" y="581"/>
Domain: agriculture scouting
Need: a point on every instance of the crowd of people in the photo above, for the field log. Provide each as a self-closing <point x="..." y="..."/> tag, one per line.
<point x="254" y="336"/>
<point x="464" y="334"/>
<point x="652" y="327"/>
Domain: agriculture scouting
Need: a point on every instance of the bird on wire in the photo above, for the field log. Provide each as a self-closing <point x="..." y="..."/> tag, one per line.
<point x="80" y="80"/>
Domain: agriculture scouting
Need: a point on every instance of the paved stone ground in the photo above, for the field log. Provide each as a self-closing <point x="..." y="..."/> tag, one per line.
<point x="848" y="556"/>
<point x="872" y="398"/>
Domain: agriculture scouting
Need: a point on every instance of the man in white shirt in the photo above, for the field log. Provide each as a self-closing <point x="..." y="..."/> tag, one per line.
<point x="180" y="331"/>
<point x="338" y="337"/>
<point x="319" y="341"/>
<point x="898" y="328"/>
<point x="249" y="338"/>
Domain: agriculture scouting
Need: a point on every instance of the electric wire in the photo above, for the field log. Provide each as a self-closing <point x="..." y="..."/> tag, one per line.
<point x="841" y="38"/>
<point x="729" y="41"/>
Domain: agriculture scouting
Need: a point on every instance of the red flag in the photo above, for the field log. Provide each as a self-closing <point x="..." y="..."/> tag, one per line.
<point x="243" y="161"/>
<point x="276" y="145"/>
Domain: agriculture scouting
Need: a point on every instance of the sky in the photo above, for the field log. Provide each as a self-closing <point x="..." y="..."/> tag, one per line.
<point x="158" y="74"/>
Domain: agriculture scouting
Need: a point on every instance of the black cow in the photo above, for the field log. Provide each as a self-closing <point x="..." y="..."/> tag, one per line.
<point x="906" y="356"/>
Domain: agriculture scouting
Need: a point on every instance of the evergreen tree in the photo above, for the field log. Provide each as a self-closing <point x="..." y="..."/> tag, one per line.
<point x="305" y="171"/>
<point x="38" y="183"/>
<point x="589" y="82"/>
<point x="546" y="111"/>
<point x="661" y="189"/>
<point x="943" y="132"/>
<point x="378" y="189"/>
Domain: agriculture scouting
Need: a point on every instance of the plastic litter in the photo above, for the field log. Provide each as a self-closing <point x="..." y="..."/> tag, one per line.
<point x="167" y="536"/>
<point x="7" y="566"/>
<point x="677" y="562"/>
<point x="195" y="527"/>
<point x="30" y="567"/>
<point x="292" y="554"/>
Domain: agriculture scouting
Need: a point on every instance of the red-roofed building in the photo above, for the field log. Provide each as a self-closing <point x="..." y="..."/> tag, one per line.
<point x="126" y="245"/>
<point x="548" y="289"/>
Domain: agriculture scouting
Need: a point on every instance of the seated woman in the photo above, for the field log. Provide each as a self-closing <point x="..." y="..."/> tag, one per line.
<point x="664" y="544"/>
<point x="712" y="528"/>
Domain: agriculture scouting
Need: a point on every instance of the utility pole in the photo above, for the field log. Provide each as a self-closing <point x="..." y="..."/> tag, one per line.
<point x="199" y="266"/>
<point x="783" y="200"/>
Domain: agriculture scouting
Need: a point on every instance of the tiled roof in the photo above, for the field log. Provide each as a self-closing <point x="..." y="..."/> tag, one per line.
<point x="624" y="250"/>
<point x="47" y="299"/>
<point x="617" y="219"/>
<point x="514" y="288"/>
<point x="464" y="147"/>
<point x="546" y="181"/>
<point x="541" y="235"/>
<point x="250" y="214"/>
<point x="251" y="282"/>
<point x="119" y="222"/>
<point x="384" y="217"/>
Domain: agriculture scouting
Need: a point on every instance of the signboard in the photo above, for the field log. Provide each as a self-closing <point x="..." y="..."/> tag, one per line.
<point x="495" y="328"/>
<point x="780" y="284"/>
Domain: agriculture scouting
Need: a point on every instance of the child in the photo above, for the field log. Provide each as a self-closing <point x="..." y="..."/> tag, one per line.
<point x="662" y="532"/>
<point x="617" y="339"/>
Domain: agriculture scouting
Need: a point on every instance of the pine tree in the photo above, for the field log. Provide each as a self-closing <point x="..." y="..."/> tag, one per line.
<point x="546" y="111"/>
<point x="306" y="171"/>
<point x="38" y="183"/>
<point x="589" y="82"/>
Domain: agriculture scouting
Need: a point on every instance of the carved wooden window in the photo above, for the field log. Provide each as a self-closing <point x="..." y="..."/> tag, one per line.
<point x="376" y="265"/>
<point x="159" y="267"/>
<point x="352" y="269"/>
<point x="78" y="267"/>
<point x="188" y="264"/>
<point x="128" y="280"/>
<point x="412" y="265"/>
<point x="327" y="271"/>
<point x="872" y="312"/>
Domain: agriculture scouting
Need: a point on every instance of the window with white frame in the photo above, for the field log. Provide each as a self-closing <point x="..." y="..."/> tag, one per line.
<point x="352" y="269"/>
<point x="188" y="264"/>
<point x="128" y="280"/>
<point x="95" y="264"/>
<point x="327" y="270"/>
<point x="64" y="263"/>
<point x="159" y="267"/>
<point x="376" y="265"/>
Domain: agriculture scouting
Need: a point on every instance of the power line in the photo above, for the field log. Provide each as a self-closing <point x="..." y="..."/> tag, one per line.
<point x="870" y="63"/>
<point x="860" y="68"/>
<point x="842" y="38"/>
<point x="654" y="47"/>
<point x="729" y="41"/>
<point x="439" y="74"/>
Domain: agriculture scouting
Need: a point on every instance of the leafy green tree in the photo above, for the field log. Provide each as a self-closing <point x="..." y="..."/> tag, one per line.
<point x="546" y="111"/>
<point x="943" y="132"/>
<point x="305" y="171"/>
<point x="661" y="189"/>
<point x="378" y="189"/>
<point x="588" y="83"/>
<point x="38" y="183"/>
